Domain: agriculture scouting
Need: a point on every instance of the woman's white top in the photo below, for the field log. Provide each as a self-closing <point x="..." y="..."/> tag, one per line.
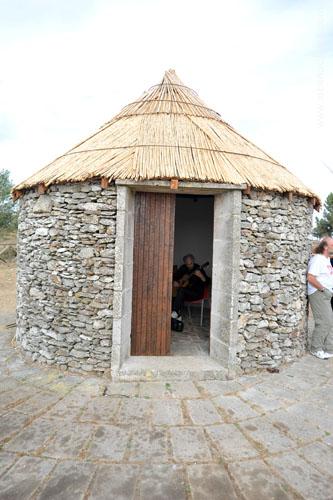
<point x="320" y="267"/>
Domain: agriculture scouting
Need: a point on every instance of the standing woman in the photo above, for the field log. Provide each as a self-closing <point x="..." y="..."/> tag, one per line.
<point x="320" y="291"/>
<point x="331" y="259"/>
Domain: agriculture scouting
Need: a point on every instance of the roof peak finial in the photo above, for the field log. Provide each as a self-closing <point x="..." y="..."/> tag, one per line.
<point x="170" y="76"/>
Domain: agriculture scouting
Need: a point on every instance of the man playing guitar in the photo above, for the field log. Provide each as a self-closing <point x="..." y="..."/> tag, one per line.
<point x="189" y="283"/>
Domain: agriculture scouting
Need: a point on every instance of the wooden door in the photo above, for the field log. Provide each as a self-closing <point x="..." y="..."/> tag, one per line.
<point x="152" y="273"/>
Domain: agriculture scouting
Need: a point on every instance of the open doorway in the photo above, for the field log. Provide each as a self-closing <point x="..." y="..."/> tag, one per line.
<point x="194" y="221"/>
<point x="144" y="257"/>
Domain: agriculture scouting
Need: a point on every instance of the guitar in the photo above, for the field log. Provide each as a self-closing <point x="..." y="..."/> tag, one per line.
<point x="184" y="281"/>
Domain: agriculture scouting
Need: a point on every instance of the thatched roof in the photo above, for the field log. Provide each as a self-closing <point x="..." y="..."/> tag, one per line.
<point x="169" y="133"/>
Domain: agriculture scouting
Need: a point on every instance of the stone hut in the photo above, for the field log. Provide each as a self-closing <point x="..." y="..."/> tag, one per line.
<point x="96" y="245"/>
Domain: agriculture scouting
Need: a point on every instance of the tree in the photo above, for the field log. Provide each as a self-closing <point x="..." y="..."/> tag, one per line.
<point x="8" y="216"/>
<point x="324" y="226"/>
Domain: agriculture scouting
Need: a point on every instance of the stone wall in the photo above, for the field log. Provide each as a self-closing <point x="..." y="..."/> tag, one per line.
<point x="66" y="244"/>
<point x="272" y="298"/>
<point x="66" y="262"/>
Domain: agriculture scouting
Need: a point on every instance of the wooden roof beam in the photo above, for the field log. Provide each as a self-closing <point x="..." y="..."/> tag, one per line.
<point x="105" y="182"/>
<point x="41" y="188"/>
<point x="247" y="191"/>
<point x="16" y="194"/>
<point x="174" y="184"/>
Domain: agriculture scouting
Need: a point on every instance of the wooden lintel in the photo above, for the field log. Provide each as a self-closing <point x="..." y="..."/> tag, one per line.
<point x="41" y="188"/>
<point x="247" y="190"/>
<point x="163" y="186"/>
<point x="290" y="196"/>
<point x="174" y="184"/>
<point x="104" y="182"/>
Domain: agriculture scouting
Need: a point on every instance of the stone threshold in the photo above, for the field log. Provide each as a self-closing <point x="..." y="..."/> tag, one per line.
<point x="147" y="368"/>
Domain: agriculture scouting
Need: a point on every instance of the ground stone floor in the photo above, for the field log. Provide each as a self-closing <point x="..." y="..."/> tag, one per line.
<point x="75" y="436"/>
<point x="193" y="340"/>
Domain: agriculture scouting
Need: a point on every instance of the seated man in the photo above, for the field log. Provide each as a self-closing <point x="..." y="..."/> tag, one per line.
<point x="189" y="282"/>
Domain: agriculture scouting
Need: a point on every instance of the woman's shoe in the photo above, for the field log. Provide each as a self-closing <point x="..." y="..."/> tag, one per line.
<point x="321" y="354"/>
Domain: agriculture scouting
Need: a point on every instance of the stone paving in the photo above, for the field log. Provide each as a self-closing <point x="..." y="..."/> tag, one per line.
<point x="67" y="436"/>
<point x="194" y="339"/>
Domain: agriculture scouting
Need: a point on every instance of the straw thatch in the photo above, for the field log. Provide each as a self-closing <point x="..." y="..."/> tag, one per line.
<point x="169" y="133"/>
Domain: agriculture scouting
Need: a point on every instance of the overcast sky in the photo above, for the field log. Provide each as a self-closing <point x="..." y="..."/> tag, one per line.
<point x="67" y="66"/>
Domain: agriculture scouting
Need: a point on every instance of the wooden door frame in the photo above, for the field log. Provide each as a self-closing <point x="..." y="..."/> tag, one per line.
<point x="225" y="275"/>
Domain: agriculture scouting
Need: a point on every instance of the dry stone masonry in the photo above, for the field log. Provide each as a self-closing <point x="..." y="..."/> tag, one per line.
<point x="66" y="246"/>
<point x="272" y="296"/>
<point x="66" y="262"/>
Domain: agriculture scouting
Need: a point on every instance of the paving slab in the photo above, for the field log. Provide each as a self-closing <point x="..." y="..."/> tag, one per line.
<point x="22" y="480"/>
<point x="6" y="461"/>
<point x="68" y="480"/>
<point x="302" y="477"/>
<point x="318" y="399"/>
<point x="35" y="437"/>
<point x="214" y="388"/>
<point x="286" y="395"/>
<point x="320" y="455"/>
<point x="231" y="443"/>
<point x="322" y="397"/>
<point x="69" y="407"/>
<point x="13" y="398"/>
<point x="69" y="440"/>
<point x="258" y="398"/>
<point x="315" y="415"/>
<point x="271" y="439"/>
<point x="210" y="481"/>
<point x="299" y="382"/>
<point x="155" y="389"/>
<point x="133" y="411"/>
<point x="61" y="387"/>
<point x="39" y="378"/>
<point x="162" y="482"/>
<point x="149" y="445"/>
<point x="92" y="386"/>
<point x="122" y="389"/>
<point x="7" y="384"/>
<point x="234" y="408"/>
<point x="23" y="372"/>
<point x="250" y="380"/>
<point x="256" y="481"/>
<point x="167" y="412"/>
<point x="203" y="412"/>
<point x="114" y="482"/>
<point x="296" y="426"/>
<point x="314" y="368"/>
<point x="100" y="409"/>
<point x="38" y="403"/>
<point x="109" y="442"/>
<point x="189" y="444"/>
<point x="183" y="390"/>
<point x="12" y="422"/>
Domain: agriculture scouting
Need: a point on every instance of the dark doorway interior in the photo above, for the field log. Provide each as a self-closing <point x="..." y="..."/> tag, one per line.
<point x="194" y="219"/>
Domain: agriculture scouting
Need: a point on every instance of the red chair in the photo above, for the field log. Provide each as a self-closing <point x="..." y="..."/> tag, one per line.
<point x="206" y="296"/>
